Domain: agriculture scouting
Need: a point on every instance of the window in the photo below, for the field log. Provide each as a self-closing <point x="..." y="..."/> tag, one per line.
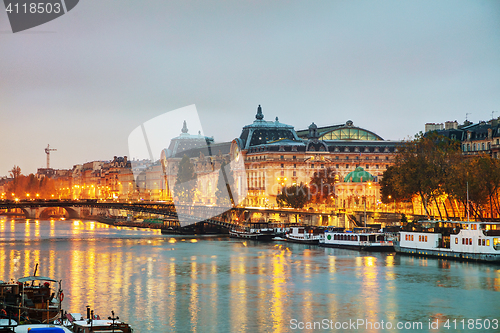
<point x="282" y="165"/>
<point x="479" y="242"/>
<point x="426" y="238"/>
<point x="295" y="173"/>
<point x="376" y="166"/>
<point x="337" y="166"/>
<point x="294" y="157"/>
<point x="463" y="241"/>
<point x="367" y="166"/>
<point x="347" y="166"/>
<point x="484" y="242"/>
<point x="312" y="166"/>
<point x="487" y="242"/>
<point x="456" y="240"/>
<point x="295" y="165"/>
<point x="282" y="157"/>
<point x="322" y="166"/>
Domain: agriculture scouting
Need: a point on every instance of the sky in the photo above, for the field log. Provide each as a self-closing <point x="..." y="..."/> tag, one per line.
<point x="86" y="80"/>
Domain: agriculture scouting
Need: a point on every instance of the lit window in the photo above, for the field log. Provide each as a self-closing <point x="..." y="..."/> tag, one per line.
<point x="456" y="240"/>
<point x="426" y="238"/>
<point x="487" y="242"/>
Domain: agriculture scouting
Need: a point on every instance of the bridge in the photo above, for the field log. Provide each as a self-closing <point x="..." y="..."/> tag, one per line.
<point x="187" y="215"/>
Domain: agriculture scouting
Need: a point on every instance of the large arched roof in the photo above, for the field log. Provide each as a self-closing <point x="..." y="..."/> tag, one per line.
<point x="343" y="132"/>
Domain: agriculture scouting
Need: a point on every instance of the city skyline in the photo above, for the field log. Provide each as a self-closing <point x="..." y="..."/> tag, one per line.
<point x="83" y="82"/>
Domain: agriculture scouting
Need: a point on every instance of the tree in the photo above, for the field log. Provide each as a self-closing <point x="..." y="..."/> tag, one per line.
<point x="421" y="168"/>
<point x="185" y="184"/>
<point x="295" y="196"/>
<point x="322" y="186"/>
<point x="224" y="194"/>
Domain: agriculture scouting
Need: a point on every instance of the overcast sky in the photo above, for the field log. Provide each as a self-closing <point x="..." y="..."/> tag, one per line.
<point x="83" y="82"/>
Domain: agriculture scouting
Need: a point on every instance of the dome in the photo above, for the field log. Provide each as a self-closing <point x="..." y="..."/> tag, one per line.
<point x="358" y="176"/>
<point x="265" y="132"/>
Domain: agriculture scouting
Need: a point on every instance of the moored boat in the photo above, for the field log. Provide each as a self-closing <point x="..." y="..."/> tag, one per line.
<point x="77" y="324"/>
<point x="31" y="299"/>
<point x="254" y="231"/>
<point x="305" y="235"/>
<point x="357" y="239"/>
<point x="478" y="241"/>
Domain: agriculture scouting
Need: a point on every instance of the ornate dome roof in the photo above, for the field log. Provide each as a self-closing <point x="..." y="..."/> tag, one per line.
<point x="358" y="176"/>
<point x="264" y="132"/>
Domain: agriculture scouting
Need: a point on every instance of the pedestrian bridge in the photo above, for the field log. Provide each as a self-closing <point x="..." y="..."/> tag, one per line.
<point x="79" y="209"/>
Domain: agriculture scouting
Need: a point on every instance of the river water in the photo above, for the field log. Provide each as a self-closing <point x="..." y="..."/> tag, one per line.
<point x="161" y="283"/>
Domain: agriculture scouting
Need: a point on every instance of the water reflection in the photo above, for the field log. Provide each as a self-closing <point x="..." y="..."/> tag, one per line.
<point x="189" y="284"/>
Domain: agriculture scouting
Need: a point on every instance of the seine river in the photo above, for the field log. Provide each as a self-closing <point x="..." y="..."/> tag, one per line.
<point x="161" y="283"/>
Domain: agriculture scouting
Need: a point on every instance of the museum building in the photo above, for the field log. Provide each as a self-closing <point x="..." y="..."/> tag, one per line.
<point x="271" y="155"/>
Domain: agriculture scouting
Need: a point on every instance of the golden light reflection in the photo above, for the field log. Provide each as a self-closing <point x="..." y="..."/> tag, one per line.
<point x="52" y="228"/>
<point x="370" y="287"/>
<point x="172" y="296"/>
<point x="238" y="294"/>
<point x="27" y="229"/>
<point x="194" y="240"/>
<point x="37" y="229"/>
<point x="12" y="229"/>
<point x="280" y="274"/>
<point x="194" y="308"/>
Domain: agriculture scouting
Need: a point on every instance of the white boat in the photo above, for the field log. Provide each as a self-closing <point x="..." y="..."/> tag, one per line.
<point x="254" y="231"/>
<point x="305" y="235"/>
<point x="77" y="324"/>
<point x="358" y="239"/>
<point x="35" y="328"/>
<point x="456" y="240"/>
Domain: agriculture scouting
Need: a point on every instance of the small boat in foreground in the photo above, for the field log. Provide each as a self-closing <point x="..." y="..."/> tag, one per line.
<point x="357" y="239"/>
<point x="478" y="241"/>
<point x="77" y="324"/>
<point x="305" y="235"/>
<point x="33" y="298"/>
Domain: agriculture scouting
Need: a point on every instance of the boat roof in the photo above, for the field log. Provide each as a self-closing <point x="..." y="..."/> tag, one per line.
<point x="36" y="278"/>
<point x="41" y="328"/>
<point x="95" y="323"/>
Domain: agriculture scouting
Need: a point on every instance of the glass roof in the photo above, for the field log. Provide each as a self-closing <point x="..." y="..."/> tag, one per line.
<point x="350" y="133"/>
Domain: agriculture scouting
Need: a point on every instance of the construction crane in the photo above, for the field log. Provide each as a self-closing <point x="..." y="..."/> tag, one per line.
<point x="47" y="151"/>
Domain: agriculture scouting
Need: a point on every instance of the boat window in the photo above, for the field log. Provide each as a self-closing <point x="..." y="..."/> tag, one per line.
<point x="463" y="241"/>
<point x="456" y="240"/>
<point x="419" y="238"/>
<point x="470" y="241"/>
<point x="479" y="242"/>
<point x="412" y="238"/>
<point x="426" y="238"/>
<point x="496" y="243"/>
<point x="484" y="242"/>
<point x="487" y="242"/>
